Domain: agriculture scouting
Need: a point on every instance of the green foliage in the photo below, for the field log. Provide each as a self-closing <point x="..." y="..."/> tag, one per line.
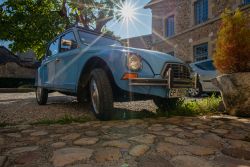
<point x="94" y="13"/>
<point x="31" y="24"/>
<point x="66" y="119"/>
<point x="3" y="124"/>
<point x="195" y="107"/>
<point x="233" y="43"/>
<point x="184" y="107"/>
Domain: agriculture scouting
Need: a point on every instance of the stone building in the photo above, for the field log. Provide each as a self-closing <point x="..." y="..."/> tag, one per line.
<point x="143" y="42"/>
<point x="188" y="28"/>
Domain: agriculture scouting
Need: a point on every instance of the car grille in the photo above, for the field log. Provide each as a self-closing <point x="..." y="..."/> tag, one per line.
<point x="179" y="71"/>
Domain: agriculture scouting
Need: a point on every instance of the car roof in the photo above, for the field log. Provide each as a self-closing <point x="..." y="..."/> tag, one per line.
<point x="84" y="30"/>
<point x="91" y="32"/>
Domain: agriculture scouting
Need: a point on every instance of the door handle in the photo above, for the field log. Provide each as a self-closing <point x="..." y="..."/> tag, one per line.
<point x="57" y="60"/>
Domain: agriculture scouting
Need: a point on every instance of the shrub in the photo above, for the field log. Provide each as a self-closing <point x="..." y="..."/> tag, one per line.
<point x="187" y="107"/>
<point x="233" y="44"/>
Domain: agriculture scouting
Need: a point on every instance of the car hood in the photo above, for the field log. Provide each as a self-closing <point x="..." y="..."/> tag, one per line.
<point x="155" y="59"/>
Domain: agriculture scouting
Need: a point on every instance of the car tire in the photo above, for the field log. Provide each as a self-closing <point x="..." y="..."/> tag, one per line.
<point x="166" y="104"/>
<point x="41" y="95"/>
<point x="195" y="92"/>
<point x="101" y="94"/>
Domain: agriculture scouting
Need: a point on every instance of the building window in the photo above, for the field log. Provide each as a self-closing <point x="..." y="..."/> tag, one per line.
<point x="201" y="11"/>
<point x="171" y="53"/>
<point x="201" y="52"/>
<point x="170" y="27"/>
<point x="245" y="2"/>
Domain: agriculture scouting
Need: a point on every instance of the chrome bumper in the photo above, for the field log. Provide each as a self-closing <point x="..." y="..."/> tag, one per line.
<point x="170" y="82"/>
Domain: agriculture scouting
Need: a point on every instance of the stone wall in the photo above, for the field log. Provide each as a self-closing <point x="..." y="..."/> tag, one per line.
<point x="187" y="34"/>
<point x="13" y="70"/>
<point x="183" y="44"/>
<point x="143" y="42"/>
<point x="160" y="12"/>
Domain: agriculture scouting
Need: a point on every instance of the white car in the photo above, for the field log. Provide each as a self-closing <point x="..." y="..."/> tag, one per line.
<point x="206" y="72"/>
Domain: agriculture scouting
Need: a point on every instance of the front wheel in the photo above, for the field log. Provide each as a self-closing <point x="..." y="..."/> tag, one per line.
<point x="101" y="94"/>
<point x="166" y="104"/>
<point x="41" y="95"/>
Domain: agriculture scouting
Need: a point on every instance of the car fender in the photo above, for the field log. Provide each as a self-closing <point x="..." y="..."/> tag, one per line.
<point x="116" y="61"/>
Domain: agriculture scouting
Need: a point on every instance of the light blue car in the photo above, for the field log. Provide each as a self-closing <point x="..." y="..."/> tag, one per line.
<point x="98" y="68"/>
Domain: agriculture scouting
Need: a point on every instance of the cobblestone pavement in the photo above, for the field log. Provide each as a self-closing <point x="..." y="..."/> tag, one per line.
<point x="218" y="141"/>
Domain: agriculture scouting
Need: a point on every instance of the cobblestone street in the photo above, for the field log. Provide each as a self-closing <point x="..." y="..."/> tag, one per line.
<point x="163" y="142"/>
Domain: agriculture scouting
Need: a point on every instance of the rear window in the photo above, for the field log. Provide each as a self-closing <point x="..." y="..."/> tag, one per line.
<point x="207" y="66"/>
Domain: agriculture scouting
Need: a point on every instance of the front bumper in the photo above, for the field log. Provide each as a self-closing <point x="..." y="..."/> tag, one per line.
<point x="170" y="83"/>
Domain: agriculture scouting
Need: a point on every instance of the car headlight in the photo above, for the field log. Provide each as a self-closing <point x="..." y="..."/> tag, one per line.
<point x="134" y="62"/>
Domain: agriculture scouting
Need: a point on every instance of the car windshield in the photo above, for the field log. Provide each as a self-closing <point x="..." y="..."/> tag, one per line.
<point x="208" y="66"/>
<point x="88" y="38"/>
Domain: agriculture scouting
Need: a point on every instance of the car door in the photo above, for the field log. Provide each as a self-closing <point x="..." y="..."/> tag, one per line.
<point x="66" y="62"/>
<point x="48" y="65"/>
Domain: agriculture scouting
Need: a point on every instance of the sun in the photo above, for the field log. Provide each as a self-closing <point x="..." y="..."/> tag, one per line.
<point x="127" y="11"/>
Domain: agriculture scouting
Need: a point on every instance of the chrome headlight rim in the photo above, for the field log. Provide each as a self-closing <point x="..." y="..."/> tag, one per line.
<point x="136" y="66"/>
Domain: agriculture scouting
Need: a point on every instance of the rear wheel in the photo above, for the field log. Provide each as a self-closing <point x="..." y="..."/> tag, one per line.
<point x="166" y="104"/>
<point x="101" y="94"/>
<point x="41" y="95"/>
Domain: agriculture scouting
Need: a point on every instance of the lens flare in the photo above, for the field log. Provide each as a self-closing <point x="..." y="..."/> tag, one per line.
<point x="127" y="11"/>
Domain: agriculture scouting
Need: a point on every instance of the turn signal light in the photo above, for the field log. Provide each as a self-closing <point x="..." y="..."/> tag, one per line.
<point x="128" y="76"/>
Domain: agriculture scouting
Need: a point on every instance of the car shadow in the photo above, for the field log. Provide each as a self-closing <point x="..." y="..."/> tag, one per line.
<point x="126" y="114"/>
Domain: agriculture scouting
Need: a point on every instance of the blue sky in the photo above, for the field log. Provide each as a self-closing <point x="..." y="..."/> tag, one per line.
<point x="141" y="27"/>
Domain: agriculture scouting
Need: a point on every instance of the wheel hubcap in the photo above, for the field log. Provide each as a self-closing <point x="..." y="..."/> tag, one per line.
<point x="94" y="96"/>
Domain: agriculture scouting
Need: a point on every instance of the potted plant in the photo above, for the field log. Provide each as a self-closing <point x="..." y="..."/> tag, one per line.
<point x="232" y="59"/>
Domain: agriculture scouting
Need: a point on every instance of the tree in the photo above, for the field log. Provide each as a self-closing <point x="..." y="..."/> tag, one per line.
<point x="93" y="13"/>
<point x="31" y="24"/>
<point x="233" y="43"/>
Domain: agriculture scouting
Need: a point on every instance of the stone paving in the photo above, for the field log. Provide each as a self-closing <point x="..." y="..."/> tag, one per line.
<point x="211" y="141"/>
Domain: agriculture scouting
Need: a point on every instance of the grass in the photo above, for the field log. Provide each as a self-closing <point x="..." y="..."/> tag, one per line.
<point x="3" y="124"/>
<point x="66" y="119"/>
<point x="195" y="107"/>
<point x="184" y="107"/>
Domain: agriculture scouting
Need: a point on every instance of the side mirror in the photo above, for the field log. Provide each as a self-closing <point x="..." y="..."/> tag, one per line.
<point x="69" y="43"/>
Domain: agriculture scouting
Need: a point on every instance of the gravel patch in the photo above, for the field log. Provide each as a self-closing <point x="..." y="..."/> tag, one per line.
<point x="21" y="108"/>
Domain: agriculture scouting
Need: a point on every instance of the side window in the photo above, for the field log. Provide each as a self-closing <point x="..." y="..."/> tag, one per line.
<point x="68" y="42"/>
<point x="53" y="48"/>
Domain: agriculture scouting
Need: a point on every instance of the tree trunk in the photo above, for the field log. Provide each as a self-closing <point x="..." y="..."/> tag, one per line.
<point x="100" y="23"/>
<point x="63" y="13"/>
